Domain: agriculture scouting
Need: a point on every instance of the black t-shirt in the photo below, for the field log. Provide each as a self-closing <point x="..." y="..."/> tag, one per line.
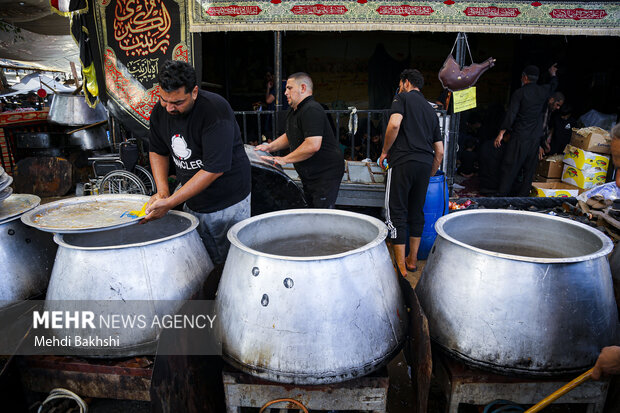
<point x="207" y="138"/>
<point x="418" y="131"/>
<point x="308" y="120"/>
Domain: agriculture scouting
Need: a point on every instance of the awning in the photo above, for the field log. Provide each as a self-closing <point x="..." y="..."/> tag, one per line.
<point x="596" y="18"/>
<point x="36" y="81"/>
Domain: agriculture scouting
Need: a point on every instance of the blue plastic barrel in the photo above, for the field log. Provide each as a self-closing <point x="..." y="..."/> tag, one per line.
<point x="435" y="206"/>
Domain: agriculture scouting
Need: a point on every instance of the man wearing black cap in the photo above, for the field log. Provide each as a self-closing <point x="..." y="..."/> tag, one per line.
<point x="524" y="121"/>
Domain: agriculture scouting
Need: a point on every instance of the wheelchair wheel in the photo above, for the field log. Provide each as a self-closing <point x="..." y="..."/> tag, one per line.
<point x="146" y="178"/>
<point x="121" y="182"/>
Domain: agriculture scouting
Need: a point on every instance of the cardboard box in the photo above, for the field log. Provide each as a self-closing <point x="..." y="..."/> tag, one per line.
<point x="593" y="139"/>
<point x="554" y="189"/>
<point x="551" y="166"/>
<point x="583" y="178"/>
<point x="583" y="160"/>
<point x="539" y="178"/>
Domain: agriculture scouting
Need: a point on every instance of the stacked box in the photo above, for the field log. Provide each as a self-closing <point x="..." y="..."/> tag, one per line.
<point x="540" y="178"/>
<point x="583" y="178"/>
<point x="554" y="189"/>
<point x="592" y="139"/>
<point x="551" y="167"/>
<point x="583" y="168"/>
<point x="582" y="159"/>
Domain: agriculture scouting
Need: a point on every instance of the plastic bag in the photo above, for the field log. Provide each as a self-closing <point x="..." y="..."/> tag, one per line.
<point x="608" y="191"/>
<point x="595" y="118"/>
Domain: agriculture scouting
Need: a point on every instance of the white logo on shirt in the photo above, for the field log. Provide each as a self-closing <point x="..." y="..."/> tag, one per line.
<point x="179" y="147"/>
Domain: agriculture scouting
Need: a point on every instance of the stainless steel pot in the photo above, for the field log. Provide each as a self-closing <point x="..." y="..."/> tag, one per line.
<point x="72" y="110"/>
<point x="519" y="292"/>
<point x="309" y="296"/>
<point x="26" y="254"/>
<point x="90" y="138"/>
<point x="162" y="260"/>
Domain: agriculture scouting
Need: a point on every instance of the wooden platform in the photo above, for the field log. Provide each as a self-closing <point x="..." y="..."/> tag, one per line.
<point x="127" y="379"/>
<point x="368" y="393"/>
<point x="462" y="384"/>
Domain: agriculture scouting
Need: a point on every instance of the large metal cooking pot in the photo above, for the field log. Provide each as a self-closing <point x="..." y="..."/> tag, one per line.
<point x="90" y="138"/>
<point x="72" y="110"/>
<point x="519" y="292"/>
<point x="309" y="296"/>
<point x="162" y="260"/>
<point x="39" y="140"/>
<point x="26" y="254"/>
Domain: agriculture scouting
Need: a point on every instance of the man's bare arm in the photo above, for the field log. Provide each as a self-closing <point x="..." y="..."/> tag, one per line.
<point x="278" y="144"/>
<point x="390" y="135"/>
<point x="438" y="147"/>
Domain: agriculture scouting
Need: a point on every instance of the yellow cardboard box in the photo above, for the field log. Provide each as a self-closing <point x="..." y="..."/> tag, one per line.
<point x="593" y="139"/>
<point x="583" y="160"/>
<point x="554" y="189"/>
<point x="583" y="178"/>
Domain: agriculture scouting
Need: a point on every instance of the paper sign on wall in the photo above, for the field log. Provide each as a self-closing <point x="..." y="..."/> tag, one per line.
<point x="464" y="99"/>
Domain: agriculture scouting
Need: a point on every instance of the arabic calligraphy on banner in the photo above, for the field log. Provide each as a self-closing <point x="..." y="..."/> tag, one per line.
<point x="141" y="27"/>
<point x="143" y="69"/>
<point x="491" y="16"/>
<point x="135" y="38"/>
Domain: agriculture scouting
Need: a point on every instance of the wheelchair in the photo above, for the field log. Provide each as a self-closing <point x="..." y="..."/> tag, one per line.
<point x="118" y="174"/>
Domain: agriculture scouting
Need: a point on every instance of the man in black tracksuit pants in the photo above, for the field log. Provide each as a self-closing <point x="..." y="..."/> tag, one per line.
<point x="414" y="150"/>
<point x="524" y="120"/>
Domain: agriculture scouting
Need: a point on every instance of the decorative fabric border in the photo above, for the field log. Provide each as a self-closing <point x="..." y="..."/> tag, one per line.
<point x="527" y="17"/>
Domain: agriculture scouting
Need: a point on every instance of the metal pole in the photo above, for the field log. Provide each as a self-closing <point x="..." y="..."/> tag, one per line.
<point x="277" y="56"/>
<point x="455" y="118"/>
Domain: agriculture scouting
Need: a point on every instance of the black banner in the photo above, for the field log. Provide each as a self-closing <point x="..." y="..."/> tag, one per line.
<point x="134" y="38"/>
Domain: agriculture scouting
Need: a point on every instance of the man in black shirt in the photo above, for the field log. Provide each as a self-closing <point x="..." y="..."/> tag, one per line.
<point x="315" y="152"/>
<point x="524" y="120"/>
<point x="414" y="150"/>
<point x="199" y="130"/>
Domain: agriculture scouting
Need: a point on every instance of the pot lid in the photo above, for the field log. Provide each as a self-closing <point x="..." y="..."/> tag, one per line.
<point x="73" y="110"/>
<point x="17" y="204"/>
<point x="86" y="214"/>
<point x="272" y="188"/>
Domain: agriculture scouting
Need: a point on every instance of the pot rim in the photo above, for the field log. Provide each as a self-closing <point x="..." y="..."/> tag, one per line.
<point x="234" y="231"/>
<point x="59" y="237"/>
<point x="603" y="251"/>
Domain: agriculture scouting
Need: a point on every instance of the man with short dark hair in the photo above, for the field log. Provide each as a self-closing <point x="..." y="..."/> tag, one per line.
<point x="414" y="149"/>
<point x="198" y="128"/>
<point x="315" y="152"/>
<point x="524" y="120"/>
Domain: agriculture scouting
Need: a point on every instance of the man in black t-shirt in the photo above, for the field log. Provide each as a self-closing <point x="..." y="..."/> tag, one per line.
<point x="315" y="152"/>
<point x="199" y="130"/>
<point x="414" y="149"/>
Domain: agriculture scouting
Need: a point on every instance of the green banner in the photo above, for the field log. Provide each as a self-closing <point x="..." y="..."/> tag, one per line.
<point x="534" y="17"/>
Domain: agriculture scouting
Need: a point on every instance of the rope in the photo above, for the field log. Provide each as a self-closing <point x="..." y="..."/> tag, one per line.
<point x="262" y="409"/>
<point x="60" y="393"/>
